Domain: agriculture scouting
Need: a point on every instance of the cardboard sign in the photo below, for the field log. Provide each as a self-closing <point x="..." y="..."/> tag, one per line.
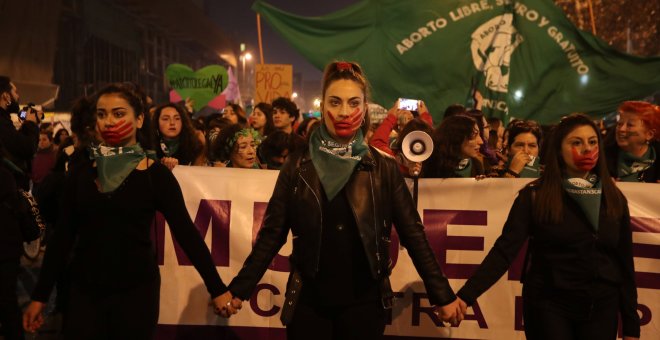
<point x="273" y="81"/>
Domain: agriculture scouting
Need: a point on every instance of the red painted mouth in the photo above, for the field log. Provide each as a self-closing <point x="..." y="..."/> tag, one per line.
<point x="347" y="127"/>
<point x="587" y="161"/>
<point x="116" y="133"/>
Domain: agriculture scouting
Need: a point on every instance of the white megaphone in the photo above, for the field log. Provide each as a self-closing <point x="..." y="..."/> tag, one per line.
<point x="417" y="146"/>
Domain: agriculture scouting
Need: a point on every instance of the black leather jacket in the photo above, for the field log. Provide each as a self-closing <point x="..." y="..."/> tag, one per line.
<point x="379" y="198"/>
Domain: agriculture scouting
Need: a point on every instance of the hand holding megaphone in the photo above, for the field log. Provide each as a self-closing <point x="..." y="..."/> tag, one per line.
<point x="417" y="146"/>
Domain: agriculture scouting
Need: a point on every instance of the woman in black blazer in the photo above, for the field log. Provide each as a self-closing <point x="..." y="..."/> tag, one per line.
<point x="579" y="271"/>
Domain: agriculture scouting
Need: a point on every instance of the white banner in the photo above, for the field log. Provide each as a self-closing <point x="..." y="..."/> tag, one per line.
<point x="462" y="219"/>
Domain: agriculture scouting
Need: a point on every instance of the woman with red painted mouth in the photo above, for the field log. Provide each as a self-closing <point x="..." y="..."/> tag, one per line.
<point x="340" y="198"/>
<point x="103" y="236"/>
<point x="578" y="275"/>
<point x="633" y="158"/>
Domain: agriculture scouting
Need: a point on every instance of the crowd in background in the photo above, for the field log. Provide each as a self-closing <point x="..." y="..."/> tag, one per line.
<point x="466" y="143"/>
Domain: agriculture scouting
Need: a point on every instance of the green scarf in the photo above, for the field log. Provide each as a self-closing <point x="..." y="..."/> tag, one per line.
<point x="528" y="171"/>
<point x="335" y="162"/>
<point x="587" y="194"/>
<point x="114" y="164"/>
<point x="169" y="146"/>
<point x="630" y="166"/>
<point x="464" y="168"/>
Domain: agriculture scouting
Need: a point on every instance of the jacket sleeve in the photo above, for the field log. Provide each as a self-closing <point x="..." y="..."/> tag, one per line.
<point x="381" y="137"/>
<point x="271" y="236"/>
<point x="628" y="289"/>
<point x="505" y="249"/>
<point x="169" y="201"/>
<point x="60" y="243"/>
<point x="426" y="116"/>
<point x="409" y="226"/>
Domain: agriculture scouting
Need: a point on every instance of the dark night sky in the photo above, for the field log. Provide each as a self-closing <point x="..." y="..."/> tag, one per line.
<point x="238" y="21"/>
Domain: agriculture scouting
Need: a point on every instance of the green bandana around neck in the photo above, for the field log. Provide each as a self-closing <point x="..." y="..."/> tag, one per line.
<point x="630" y="166"/>
<point x="169" y="146"/>
<point x="587" y="194"/>
<point x="114" y="164"/>
<point x="464" y="168"/>
<point x="528" y="171"/>
<point x="335" y="162"/>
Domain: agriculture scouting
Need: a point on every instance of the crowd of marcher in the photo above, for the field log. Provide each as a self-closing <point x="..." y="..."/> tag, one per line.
<point x="111" y="171"/>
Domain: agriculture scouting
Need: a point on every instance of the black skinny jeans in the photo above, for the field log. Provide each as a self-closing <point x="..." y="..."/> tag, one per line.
<point x="362" y="321"/>
<point x="127" y="314"/>
<point x="566" y="316"/>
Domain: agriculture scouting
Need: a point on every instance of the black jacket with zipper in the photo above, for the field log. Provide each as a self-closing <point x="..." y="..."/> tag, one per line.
<point x="569" y="257"/>
<point x="378" y="197"/>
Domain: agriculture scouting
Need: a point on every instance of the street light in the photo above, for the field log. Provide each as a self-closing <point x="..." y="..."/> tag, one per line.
<point x="294" y="95"/>
<point x="245" y="56"/>
<point x="317" y="103"/>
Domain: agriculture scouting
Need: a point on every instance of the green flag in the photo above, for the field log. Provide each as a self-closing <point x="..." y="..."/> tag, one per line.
<point x="525" y="57"/>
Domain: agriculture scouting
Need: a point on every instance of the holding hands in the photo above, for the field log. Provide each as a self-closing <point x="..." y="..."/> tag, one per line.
<point x="452" y="313"/>
<point x="227" y="305"/>
<point x="33" y="317"/>
<point x="170" y="162"/>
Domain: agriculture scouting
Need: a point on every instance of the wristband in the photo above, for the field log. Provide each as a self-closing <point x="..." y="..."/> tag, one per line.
<point x="512" y="173"/>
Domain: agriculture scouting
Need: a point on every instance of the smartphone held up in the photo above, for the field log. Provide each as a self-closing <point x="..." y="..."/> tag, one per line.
<point x="408" y="104"/>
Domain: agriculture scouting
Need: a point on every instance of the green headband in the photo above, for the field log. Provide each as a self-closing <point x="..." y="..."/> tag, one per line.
<point x="243" y="133"/>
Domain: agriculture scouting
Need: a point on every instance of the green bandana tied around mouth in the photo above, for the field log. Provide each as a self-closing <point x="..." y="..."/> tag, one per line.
<point x="334" y="162"/>
<point x="587" y="194"/>
<point x="528" y="171"/>
<point x="630" y="166"/>
<point x="169" y="146"/>
<point x="464" y="168"/>
<point x="114" y="164"/>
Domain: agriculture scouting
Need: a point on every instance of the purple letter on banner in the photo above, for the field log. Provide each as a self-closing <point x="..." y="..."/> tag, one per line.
<point x="214" y="212"/>
<point x="280" y="263"/>
<point x="650" y="251"/>
<point x="436" y="222"/>
<point x="418" y="310"/>
<point x="254" y="304"/>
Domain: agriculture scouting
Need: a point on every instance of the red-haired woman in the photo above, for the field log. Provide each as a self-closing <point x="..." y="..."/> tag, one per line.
<point x="634" y="156"/>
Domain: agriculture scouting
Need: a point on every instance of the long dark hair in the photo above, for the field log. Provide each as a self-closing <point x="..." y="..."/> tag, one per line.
<point x="548" y="207"/>
<point x="267" y="109"/>
<point x="489" y="155"/>
<point x="241" y="116"/>
<point x="137" y="99"/>
<point x="448" y="140"/>
<point x="83" y="122"/>
<point x="189" y="145"/>
<point x="349" y="71"/>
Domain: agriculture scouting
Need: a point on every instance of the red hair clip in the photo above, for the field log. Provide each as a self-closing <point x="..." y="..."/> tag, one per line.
<point x="344" y="66"/>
